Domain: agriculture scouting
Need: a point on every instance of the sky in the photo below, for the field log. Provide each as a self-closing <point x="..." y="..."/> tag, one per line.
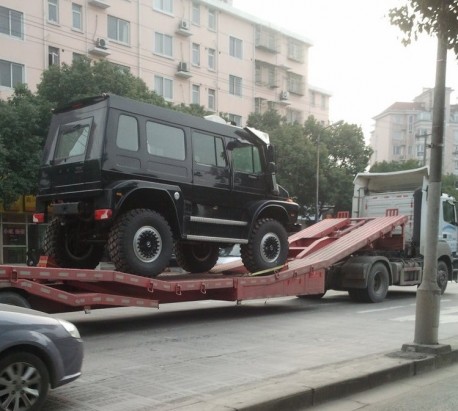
<point x="357" y="55"/>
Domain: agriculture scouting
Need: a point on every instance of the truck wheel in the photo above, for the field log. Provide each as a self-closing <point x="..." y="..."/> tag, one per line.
<point x="140" y="242"/>
<point x="24" y="382"/>
<point x="442" y="275"/>
<point x="267" y="246"/>
<point x="196" y="257"/>
<point x="377" y="284"/>
<point x="65" y="242"/>
<point x="12" y="298"/>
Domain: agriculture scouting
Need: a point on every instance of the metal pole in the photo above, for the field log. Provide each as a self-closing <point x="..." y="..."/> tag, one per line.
<point x="428" y="294"/>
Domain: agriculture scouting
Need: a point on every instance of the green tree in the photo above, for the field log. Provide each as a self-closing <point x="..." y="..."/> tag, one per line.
<point x="449" y="185"/>
<point x="62" y="84"/>
<point x="427" y="16"/>
<point x="24" y="121"/>
<point x="387" y="166"/>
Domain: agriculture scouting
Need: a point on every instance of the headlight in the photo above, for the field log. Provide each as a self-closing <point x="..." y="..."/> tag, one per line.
<point x="70" y="328"/>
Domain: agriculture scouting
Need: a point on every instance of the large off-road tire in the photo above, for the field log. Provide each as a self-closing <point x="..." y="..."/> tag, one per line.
<point x="442" y="275"/>
<point x="267" y="246"/>
<point x="66" y="242"/>
<point x="196" y="257"/>
<point x="378" y="282"/>
<point x="24" y="382"/>
<point x="140" y="242"/>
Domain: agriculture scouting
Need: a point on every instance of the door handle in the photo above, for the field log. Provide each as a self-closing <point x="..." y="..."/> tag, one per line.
<point x="198" y="174"/>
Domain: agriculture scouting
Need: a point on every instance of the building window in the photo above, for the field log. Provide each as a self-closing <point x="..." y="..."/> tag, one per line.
<point x="78" y="57"/>
<point x="235" y="119"/>
<point x="166" y="6"/>
<point x="196" y="13"/>
<point x="11" y="73"/>
<point x="163" y="44"/>
<point x="195" y="94"/>
<point x="163" y="87"/>
<point x="212" y="59"/>
<point x="196" y="54"/>
<point x="235" y="47"/>
<point x="296" y="50"/>
<point x="53" y="56"/>
<point x="293" y="116"/>
<point x="212" y="19"/>
<point x="11" y="23"/>
<point x="211" y="99"/>
<point x="235" y="85"/>
<point x="295" y="84"/>
<point x="53" y="11"/>
<point x="118" y="29"/>
<point x="77" y="16"/>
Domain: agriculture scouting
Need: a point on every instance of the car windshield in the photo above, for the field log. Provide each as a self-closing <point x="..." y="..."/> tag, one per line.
<point x="72" y="141"/>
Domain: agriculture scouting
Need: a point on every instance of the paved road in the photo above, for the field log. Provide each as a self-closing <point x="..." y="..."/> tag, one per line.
<point x="139" y="360"/>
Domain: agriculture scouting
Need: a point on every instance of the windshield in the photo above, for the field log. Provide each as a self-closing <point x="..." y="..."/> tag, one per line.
<point x="72" y="141"/>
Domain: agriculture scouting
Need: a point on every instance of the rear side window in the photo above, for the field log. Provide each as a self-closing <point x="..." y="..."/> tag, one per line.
<point x="165" y="141"/>
<point x="73" y="140"/>
<point x="127" y="135"/>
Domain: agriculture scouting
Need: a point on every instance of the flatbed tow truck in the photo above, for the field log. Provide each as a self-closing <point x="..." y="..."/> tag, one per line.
<point x="313" y="252"/>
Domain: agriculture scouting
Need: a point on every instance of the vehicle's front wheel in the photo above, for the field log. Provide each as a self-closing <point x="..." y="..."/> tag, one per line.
<point x="66" y="241"/>
<point x="140" y="242"/>
<point x="24" y="382"/>
<point x="196" y="257"/>
<point x="267" y="246"/>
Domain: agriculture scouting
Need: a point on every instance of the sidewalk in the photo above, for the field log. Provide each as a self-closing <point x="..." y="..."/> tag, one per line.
<point x="310" y="387"/>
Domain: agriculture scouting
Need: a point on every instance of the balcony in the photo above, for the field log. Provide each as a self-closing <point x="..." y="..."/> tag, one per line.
<point x="102" y="4"/>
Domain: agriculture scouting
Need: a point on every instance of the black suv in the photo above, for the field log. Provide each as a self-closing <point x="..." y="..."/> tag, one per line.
<point x="143" y="182"/>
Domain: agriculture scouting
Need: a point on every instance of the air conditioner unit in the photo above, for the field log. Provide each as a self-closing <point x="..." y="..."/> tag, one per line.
<point x="101" y="43"/>
<point x="184" y="25"/>
<point x="183" y="66"/>
<point x="284" y="95"/>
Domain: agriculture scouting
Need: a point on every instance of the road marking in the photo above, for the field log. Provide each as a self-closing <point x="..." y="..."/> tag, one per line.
<point x="447" y="316"/>
<point x="375" y="310"/>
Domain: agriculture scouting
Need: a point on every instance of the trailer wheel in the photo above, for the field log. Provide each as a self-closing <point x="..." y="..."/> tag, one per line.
<point x="442" y="275"/>
<point x="140" y="242"/>
<point x="12" y="298"/>
<point x="267" y="246"/>
<point x="24" y="382"/>
<point x="196" y="257"/>
<point x="377" y="284"/>
<point x="65" y="241"/>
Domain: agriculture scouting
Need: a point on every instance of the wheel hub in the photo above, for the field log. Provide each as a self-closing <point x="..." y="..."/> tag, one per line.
<point x="270" y="247"/>
<point x="19" y="387"/>
<point x="147" y="244"/>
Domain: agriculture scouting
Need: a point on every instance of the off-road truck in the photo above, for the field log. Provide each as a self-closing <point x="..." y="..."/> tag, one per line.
<point x="142" y="182"/>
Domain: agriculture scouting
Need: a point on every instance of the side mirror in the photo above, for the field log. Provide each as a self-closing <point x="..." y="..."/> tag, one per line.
<point x="272" y="168"/>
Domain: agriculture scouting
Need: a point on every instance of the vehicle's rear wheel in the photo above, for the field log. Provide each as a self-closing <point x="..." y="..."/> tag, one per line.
<point x="140" y="242"/>
<point x="196" y="257"/>
<point x="377" y="284"/>
<point x="66" y="241"/>
<point x="267" y="246"/>
<point x="442" y="275"/>
<point x="24" y="382"/>
<point x="12" y="298"/>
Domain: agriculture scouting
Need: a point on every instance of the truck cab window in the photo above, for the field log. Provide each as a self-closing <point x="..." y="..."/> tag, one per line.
<point x="449" y="212"/>
<point x="247" y="159"/>
<point x="208" y="150"/>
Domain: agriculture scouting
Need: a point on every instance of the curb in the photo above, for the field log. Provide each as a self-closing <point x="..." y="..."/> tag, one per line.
<point x="307" y="388"/>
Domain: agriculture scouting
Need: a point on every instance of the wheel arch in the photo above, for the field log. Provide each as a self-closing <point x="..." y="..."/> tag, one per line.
<point x="159" y="200"/>
<point x="270" y="210"/>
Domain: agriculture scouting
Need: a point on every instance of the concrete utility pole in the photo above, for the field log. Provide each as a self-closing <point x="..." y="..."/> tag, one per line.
<point x="428" y="294"/>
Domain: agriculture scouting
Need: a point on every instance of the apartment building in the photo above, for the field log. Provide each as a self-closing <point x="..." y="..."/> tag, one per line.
<point x="403" y="132"/>
<point x="204" y="52"/>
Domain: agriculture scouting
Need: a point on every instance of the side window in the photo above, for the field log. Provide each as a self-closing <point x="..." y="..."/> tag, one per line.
<point x="208" y="150"/>
<point x="165" y="141"/>
<point x="449" y="212"/>
<point x="247" y="159"/>
<point x="127" y="135"/>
